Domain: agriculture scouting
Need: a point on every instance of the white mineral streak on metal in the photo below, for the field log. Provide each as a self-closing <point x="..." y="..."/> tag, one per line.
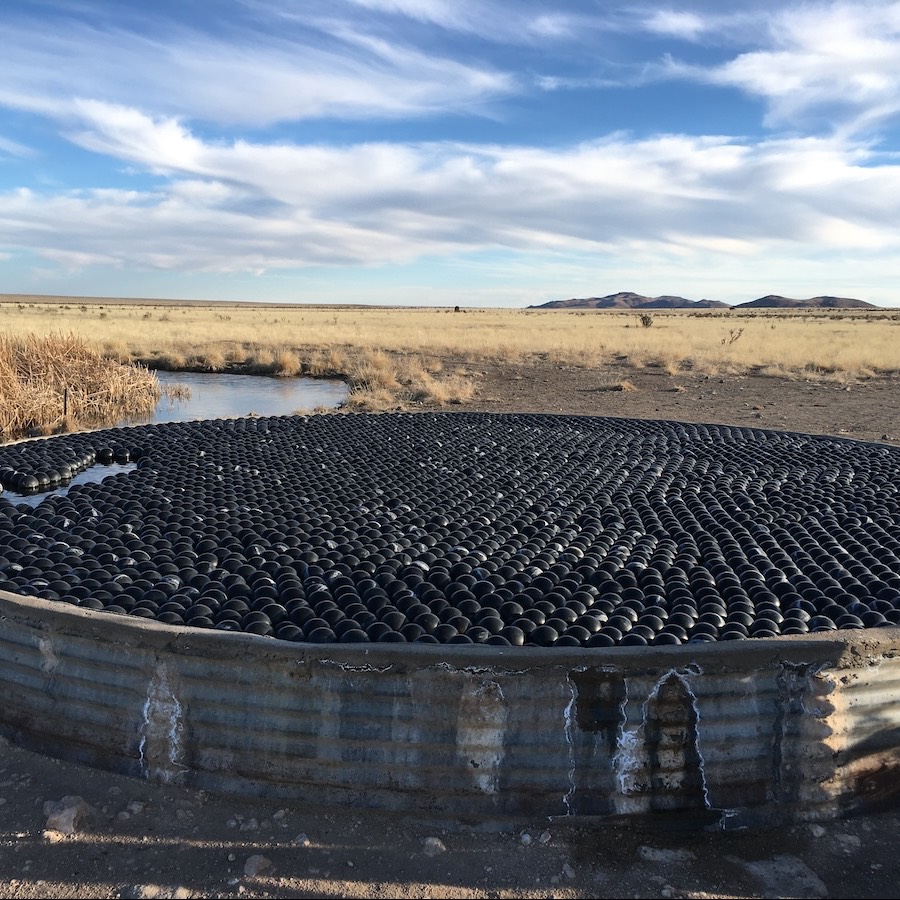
<point x="685" y="680"/>
<point x="49" y="659"/>
<point x="346" y="667"/>
<point x="161" y="729"/>
<point x="627" y="762"/>
<point x="477" y="670"/>
<point x="480" y="733"/>
<point x="568" y="730"/>
<point x="630" y="761"/>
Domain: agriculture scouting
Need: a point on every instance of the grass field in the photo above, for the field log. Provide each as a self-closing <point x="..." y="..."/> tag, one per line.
<point x="294" y="338"/>
<point x="395" y="356"/>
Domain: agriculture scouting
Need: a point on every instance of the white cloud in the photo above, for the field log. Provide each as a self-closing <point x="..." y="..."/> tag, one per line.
<point x="254" y="78"/>
<point x="14" y="148"/>
<point x="128" y="134"/>
<point x="685" y="25"/>
<point x="836" y="60"/>
<point x="447" y="13"/>
<point x="244" y="206"/>
<point x="497" y="21"/>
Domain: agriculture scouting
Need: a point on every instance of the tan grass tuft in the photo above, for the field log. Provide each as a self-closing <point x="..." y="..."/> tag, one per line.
<point x="372" y="400"/>
<point x="287" y="363"/>
<point x="373" y="372"/>
<point x="453" y="389"/>
<point x="170" y="361"/>
<point x="117" y="350"/>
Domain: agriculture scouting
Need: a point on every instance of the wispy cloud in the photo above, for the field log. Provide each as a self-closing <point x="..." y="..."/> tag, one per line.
<point x="441" y="12"/>
<point x="14" y="148"/>
<point x="327" y="68"/>
<point x="245" y="206"/>
<point x="679" y="24"/>
<point x="833" y="63"/>
<point x="517" y="21"/>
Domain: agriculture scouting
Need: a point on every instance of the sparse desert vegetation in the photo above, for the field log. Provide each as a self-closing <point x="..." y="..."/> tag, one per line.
<point x="295" y="339"/>
<point x="395" y="357"/>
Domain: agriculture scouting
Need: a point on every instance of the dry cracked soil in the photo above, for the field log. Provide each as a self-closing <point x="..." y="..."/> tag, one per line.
<point x="70" y="831"/>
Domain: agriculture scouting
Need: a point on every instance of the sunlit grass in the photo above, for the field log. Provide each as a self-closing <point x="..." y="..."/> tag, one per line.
<point x="801" y="342"/>
<point x="395" y="356"/>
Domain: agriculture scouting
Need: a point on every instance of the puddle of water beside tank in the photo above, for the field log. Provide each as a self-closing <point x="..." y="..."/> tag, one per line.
<point x="214" y="397"/>
<point x="231" y="396"/>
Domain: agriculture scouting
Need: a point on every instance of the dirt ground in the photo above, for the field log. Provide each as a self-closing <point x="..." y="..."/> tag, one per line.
<point x="74" y="832"/>
<point x="865" y="410"/>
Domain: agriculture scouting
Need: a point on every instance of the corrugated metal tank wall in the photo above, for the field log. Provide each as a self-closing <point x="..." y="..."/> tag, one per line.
<point x="725" y="734"/>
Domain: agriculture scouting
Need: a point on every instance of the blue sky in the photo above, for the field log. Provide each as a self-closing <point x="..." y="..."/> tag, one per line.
<point x="442" y="152"/>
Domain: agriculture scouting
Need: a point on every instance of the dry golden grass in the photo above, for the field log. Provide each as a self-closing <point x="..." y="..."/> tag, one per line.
<point x="287" y="363"/>
<point x="325" y="363"/>
<point x="372" y="400"/>
<point x="212" y="359"/>
<point x="451" y="390"/>
<point x="58" y="382"/>
<point x="805" y="343"/>
<point x="401" y="352"/>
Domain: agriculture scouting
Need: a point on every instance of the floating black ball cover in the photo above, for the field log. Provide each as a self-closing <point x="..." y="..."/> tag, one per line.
<point x="462" y="528"/>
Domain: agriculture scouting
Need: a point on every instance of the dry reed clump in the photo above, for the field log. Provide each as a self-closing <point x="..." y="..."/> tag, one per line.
<point x="442" y="391"/>
<point x="366" y="399"/>
<point x="673" y="366"/>
<point x="287" y="363"/>
<point x="581" y="357"/>
<point x="177" y="392"/>
<point x="237" y="354"/>
<point x="59" y="382"/>
<point x="261" y="361"/>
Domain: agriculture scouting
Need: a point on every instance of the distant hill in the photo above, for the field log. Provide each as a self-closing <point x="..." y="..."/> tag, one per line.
<point x="775" y="301"/>
<point x="630" y="300"/>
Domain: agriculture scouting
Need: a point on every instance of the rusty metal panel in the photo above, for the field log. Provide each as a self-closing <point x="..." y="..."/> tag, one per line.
<point x="735" y="733"/>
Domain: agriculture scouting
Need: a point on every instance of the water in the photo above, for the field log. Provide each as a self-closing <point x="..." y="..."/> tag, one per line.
<point x="215" y="397"/>
<point x="220" y="396"/>
<point x="95" y="473"/>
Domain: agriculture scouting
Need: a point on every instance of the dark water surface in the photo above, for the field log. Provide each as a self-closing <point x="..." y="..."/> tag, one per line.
<point x="95" y="473"/>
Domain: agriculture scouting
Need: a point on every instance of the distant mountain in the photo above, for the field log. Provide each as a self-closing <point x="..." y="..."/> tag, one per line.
<point x="630" y="300"/>
<point x="775" y="301"/>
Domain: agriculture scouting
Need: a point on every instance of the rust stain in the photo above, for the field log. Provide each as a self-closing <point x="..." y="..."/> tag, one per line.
<point x="599" y="708"/>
